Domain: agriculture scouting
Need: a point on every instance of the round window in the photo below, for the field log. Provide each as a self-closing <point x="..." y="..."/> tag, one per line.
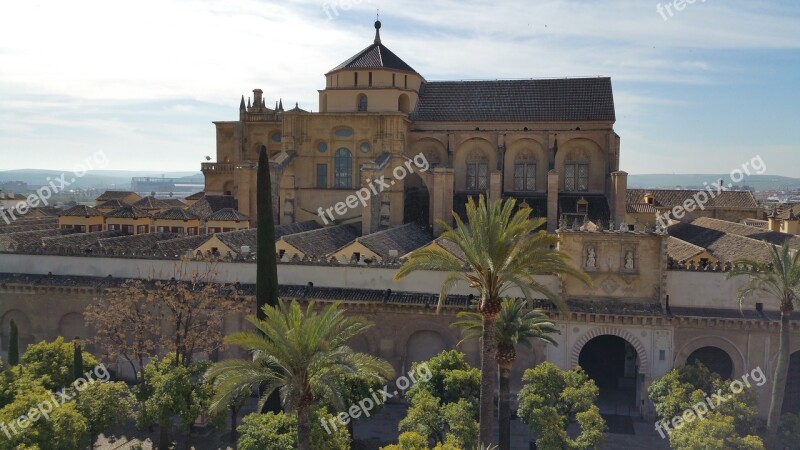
<point x="364" y="147"/>
<point x="322" y="147"/>
<point x="276" y="137"/>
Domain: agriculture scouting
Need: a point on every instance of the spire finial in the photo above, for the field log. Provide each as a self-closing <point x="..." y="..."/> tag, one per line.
<point x="377" y="28"/>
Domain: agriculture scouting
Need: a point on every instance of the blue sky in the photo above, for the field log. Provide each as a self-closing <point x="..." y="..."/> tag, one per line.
<point x="714" y="85"/>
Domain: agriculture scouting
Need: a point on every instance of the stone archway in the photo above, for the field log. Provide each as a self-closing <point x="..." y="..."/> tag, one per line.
<point x="644" y="360"/>
<point x="424" y="344"/>
<point x="737" y="358"/>
<point x="714" y="359"/>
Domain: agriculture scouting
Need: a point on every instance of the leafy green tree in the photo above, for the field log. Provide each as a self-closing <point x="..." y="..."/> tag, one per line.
<point x="461" y="424"/>
<point x="780" y="280"/>
<point x="105" y="405"/>
<point x="424" y="417"/>
<point x="52" y="362"/>
<point x="503" y="250"/>
<point x="301" y="353"/>
<point x="273" y="431"/>
<point x="790" y="431"/>
<point x="553" y="398"/>
<point x="715" y="432"/>
<point x="13" y="344"/>
<point x="63" y="428"/>
<point x="452" y="378"/>
<point x="515" y="325"/>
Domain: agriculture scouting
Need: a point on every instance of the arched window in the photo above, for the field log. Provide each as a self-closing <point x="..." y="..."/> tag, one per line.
<point x="343" y="169"/>
<point x="524" y="173"/>
<point x="477" y="171"/>
<point x="362" y="102"/>
<point x="576" y="176"/>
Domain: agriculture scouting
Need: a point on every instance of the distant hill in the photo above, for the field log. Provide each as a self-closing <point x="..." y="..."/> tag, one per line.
<point x="101" y="179"/>
<point x="695" y="181"/>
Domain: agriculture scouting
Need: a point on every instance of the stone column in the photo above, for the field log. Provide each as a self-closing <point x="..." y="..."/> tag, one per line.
<point x="552" y="201"/>
<point x="441" y="197"/>
<point x="495" y="185"/>
<point x="619" y="192"/>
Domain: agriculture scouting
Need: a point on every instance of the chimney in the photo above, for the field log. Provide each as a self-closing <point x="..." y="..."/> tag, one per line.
<point x="257" y="97"/>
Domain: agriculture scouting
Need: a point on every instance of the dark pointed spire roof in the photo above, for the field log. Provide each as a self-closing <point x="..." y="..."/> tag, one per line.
<point x="376" y="56"/>
<point x="241" y="104"/>
<point x="248" y="102"/>
<point x="280" y="105"/>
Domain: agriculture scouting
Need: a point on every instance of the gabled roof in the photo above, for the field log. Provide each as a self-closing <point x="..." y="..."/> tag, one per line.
<point x="210" y="204"/>
<point x="181" y="245"/>
<point x="298" y="227"/>
<point x="111" y="204"/>
<point x="403" y="238"/>
<point x="550" y="100"/>
<point x="670" y="198"/>
<point x="759" y="234"/>
<point x="228" y="214"/>
<point x="173" y="202"/>
<point x="789" y="213"/>
<point x="81" y="211"/>
<point x="323" y="241"/>
<point x="150" y="203"/>
<point x="725" y="247"/>
<point x="376" y="56"/>
<point x="144" y="241"/>
<point x="681" y="250"/>
<point x="128" y="212"/>
<point x="196" y="196"/>
<point x="32" y="237"/>
<point x="114" y="195"/>
<point x="758" y="223"/>
<point x="29" y="225"/>
<point x="176" y="214"/>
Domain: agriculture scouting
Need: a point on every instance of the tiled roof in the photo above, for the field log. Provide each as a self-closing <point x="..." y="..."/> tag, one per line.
<point x="210" y="204"/>
<point x="15" y="228"/>
<point x="127" y="212"/>
<point x="176" y="214"/>
<point x="81" y="211"/>
<point x="26" y="221"/>
<point x="681" y="250"/>
<point x="373" y="57"/>
<point x="179" y="246"/>
<point x="403" y="238"/>
<point x="111" y="204"/>
<point x="669" y="198"/>
<point x="31" y="237"/>
<point x="323" y="241"/>
<point x="789" y="213"/>
<point x="449" y="247"/>
<point x="196" y="196"/>
<point x="80" y="240"/>
<point x="113" y="195"/>
<point x="725" y="247"/>
<point x="760" y="234"/>
<point x="640" y="208"/>
<point x="236" y="239"/>
<point x="173" y="202"/>
<point x="552" y="100"/>
<point x="758" y="223"/>
<point x="298" y="227"/>
<point x="150" y="203"/>
<point x="229" y="214"/>
<point x="144" y="241"/>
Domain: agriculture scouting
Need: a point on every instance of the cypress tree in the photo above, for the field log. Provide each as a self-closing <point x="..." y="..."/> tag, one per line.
<point x="266" y="262"/>
<point x="77" y="360"/>
<point x="13" y="345"/>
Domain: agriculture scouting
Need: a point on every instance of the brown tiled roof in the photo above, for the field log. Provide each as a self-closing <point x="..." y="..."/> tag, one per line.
<point x="210" y="204"/>
<point x="641" y="208"/>
<point x="236" y="239"/>
<point x="176" y="214"/>
<point x="682" y="250"/>
<point x="25" y="221"/>
<point x="759" y="234"/>
<point x="669" y="198"/>
<point x="81" y="211"/>
<point x="128" y="212"/>
<point x="403" y="238"/>
<point x="229" y="214"/>
<point x="551" y="100"/>
<point x="374" y="57"/>
<point x="323" y="241"/>
<point x="725" y="247"/>
<point x="14" y="228"/>
<point x="173" y="202"/>
<point x="758" y="223"/>
<point x="789" y="213"/>
<point x="113" y="195"/>
<point x="196" y="196"/>
<point x="150" y="203"/>
<point x="298" y="227"/>
<point x="31" y="237"/>
<point x="449" y="247"/>
<point x="179" y="246"/>
<point x="111" y="204"/>
<point x="80" y="240"/>
<point x="144" y="241"/>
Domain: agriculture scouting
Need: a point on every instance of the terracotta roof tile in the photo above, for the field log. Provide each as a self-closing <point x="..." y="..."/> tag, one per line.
<point x="228" y="214"/>
<point x="128" y="212"/>
<point x="80" y="240"/>
<point x="323" y="241"/>
<point x="176" y="214"/>
<point x="669" y="198"/>
<point x="81" y="211"/>
<point x="145" y="241"/>
<point x="403" y="239"/>
<point x="759" y="234"/>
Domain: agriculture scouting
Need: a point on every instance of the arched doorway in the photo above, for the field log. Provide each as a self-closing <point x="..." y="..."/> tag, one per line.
<point x="416" y="200"/>
<point x="791" y="396"/>
<point x="613" y="363"/>
<point x="424" y="344"/>
<point x="715" y="359"/>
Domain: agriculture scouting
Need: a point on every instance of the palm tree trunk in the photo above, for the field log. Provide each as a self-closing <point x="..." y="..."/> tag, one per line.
<point x="504" y="412"/>
<point x="303" y="428"/>
<point x="779" y="383"/>
<point x="488" y="375"/>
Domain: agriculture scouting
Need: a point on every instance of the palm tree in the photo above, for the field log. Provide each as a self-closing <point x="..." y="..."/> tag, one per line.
<point x="515" y="326"/>
<point x="780" y="279"/>
<point x="299" y="353"/>
<point x="503" y="250"/>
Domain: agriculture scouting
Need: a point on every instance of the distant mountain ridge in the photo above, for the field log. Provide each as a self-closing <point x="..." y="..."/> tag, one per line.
<point x="117" y="179"/>
<point x="695" y="181"/>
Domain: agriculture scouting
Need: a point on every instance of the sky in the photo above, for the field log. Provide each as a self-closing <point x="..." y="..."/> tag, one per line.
<point x="700" y="87"/>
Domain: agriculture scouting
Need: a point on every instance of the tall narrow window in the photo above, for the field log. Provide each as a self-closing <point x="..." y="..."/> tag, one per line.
<point x="576" y="176"/>
<point x="393" y="76"/>
<point x="370" y="79"/>
<point x="355" y="79"/>
<point x="322" y="176"/>
<point x="477" y="172"/>
<point x="343" y="169"/>
<point x="524" y="175"/>
<point x="362" y="102"/>
<point x="405" y="81"/>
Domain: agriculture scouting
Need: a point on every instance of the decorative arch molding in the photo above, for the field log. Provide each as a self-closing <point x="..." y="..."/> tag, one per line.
<point x="719" y="342"/>
<point x="644" y="360"/>
<point x="578" y="140"/>
<point x="434" y="150"/>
